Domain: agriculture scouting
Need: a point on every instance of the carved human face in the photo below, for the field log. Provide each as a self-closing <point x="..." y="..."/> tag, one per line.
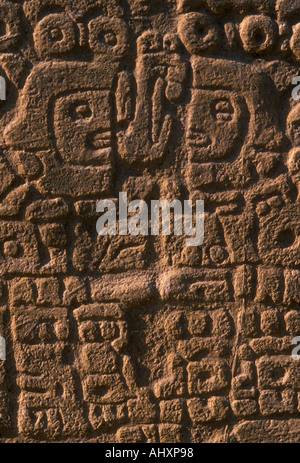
<point x="82" y="128"/>
<point x="215" y="125"/>
<point x="293" y="125"/>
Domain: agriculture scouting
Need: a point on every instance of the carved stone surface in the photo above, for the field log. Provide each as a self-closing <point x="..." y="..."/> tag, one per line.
<point x="140" y="338"/>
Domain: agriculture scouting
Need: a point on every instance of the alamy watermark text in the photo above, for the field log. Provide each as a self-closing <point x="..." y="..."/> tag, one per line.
<point x="134" y="218"/>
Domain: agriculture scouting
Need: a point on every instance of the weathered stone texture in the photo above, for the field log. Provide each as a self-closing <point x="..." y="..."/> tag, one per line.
<point x="142" y="339"/>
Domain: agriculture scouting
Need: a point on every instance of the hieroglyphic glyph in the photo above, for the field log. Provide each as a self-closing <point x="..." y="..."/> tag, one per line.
<point x="141" y="338"/>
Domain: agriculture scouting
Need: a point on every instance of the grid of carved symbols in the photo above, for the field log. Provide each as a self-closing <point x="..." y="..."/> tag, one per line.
<point x="141" y="338"/>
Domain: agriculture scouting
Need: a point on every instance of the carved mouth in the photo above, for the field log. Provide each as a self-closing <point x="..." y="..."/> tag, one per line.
<point x="99" y="141"/>
<point x="198" y="139"/>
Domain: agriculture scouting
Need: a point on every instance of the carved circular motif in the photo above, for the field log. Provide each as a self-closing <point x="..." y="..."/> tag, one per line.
<point x="199" y="33"/>
<point x="258" y="34"/>
<point x="54" y="35"/>
<point x="108" y="36"/>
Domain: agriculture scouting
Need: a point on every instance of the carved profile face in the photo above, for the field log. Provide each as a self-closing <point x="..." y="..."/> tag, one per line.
<point x="293" y="125"/>
<point x="215" y="125"/>
<point x="82" y="128"/>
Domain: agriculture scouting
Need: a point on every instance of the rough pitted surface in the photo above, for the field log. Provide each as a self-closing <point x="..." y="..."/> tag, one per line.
<point x="142" y="339"/>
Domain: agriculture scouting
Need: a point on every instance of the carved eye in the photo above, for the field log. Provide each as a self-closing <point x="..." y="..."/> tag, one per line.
<point x="223" y="111"/>
<point x="108" y="36"/>
<point x="258" y="34"/>
<point x="296" y="125"/>
<point x="80" y="111"/>
<point x="199" y="33"/>
<point x="56" y="35"/>
<point x="110" y="39"/>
